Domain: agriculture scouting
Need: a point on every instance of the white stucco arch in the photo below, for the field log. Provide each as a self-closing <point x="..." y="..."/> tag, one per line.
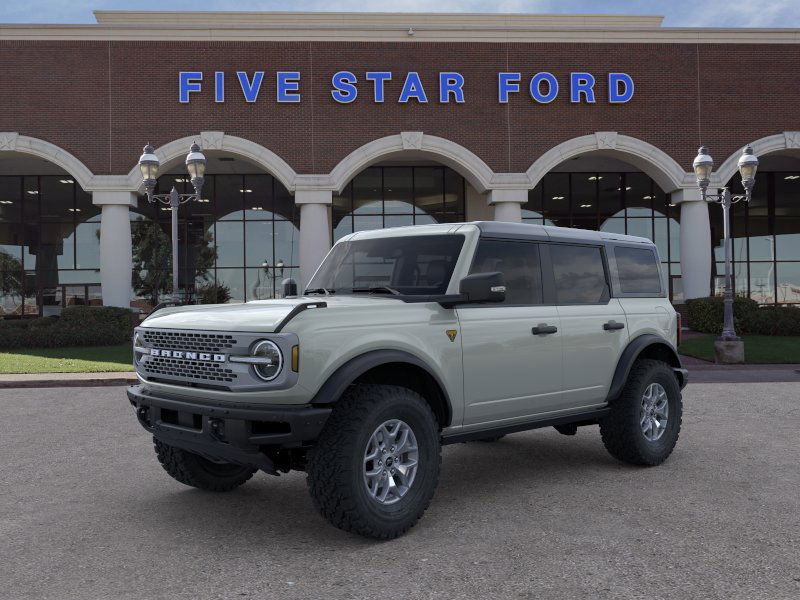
<point x="414" y="143"/>
<point x="781" y="142"/>
<point x="11" y="141"/>
<point x="656" y="163"/>
<point x="220" y="141"/>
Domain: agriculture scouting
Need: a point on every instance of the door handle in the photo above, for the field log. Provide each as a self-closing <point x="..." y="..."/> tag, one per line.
<point x="544" y="329"/>
<point x="613" y="325"/>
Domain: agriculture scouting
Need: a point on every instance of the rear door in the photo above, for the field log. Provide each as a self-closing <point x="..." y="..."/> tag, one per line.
<point x="510" y="371"/>
<point x="594" y="327"/>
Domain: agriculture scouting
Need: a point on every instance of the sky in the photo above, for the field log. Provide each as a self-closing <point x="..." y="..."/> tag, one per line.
<point x="678" y="13"/>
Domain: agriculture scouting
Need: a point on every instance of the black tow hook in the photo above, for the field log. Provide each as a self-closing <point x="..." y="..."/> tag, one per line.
<point x="143" y="414"/>
<point x="216" y="427"/>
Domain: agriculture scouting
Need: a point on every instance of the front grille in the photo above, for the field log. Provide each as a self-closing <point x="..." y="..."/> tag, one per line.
<point x="184" y="340"/>
<point x="191" y="369"/>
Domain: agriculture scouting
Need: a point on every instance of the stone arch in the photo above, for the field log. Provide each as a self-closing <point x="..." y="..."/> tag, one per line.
<point x="656" y="163"/>
<point x="444" y="151"/>
<point x="11" y="141"/>
<point x="218" y="140"/>
<point x="788" y="140"/>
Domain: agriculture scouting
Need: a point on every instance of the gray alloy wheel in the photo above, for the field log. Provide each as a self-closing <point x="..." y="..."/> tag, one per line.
<point x="390" y="461"/>
<point x="654" y="412"/>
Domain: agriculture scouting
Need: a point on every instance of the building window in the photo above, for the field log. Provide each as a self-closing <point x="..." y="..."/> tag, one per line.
<point x="630" y="203"/>
<point x="49" y="245"/>
<point x="236" y="245"/>
<point x="381" y="197"/>
<point x="765" y="240"/>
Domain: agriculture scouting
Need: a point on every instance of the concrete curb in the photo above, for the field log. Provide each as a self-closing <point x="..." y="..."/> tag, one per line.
<point x="50" y="380"/>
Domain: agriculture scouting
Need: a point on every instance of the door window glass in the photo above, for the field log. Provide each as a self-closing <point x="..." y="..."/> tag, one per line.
<point x="579" y="274"/>
<point x="519" y="264"/>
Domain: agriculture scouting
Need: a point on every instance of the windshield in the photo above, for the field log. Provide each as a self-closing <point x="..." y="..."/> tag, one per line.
<point x="409" y="265"/>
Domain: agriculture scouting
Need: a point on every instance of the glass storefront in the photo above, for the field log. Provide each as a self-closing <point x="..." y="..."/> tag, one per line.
<point x="381" y="197"/>
<point x="238" y="244"/>
<point x="629" y="203"/>
<point x="49" y="245"/>
<point x="766" y="240"/>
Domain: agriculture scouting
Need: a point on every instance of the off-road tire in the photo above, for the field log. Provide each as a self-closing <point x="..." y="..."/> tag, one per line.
<point x="620" y="430"/>
<point x="335" y="465"/>
<point x="195" y="471"/>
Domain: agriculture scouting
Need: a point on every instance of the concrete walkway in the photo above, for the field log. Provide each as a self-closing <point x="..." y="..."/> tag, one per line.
<point x="47" y="380"/>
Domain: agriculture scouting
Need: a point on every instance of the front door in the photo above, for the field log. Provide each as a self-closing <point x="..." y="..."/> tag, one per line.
<point x="512" y="351"/>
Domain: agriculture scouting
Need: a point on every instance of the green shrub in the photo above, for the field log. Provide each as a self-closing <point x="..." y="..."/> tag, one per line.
<point x="213" y="293"/>
<point x="706" y="315"/>
<point x="77" y="326"/>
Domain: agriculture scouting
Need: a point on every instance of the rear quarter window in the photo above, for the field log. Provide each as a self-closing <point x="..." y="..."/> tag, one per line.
<point x="637" y="270"/>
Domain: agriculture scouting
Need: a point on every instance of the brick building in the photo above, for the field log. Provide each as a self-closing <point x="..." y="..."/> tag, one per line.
<point x="319" y="124"/>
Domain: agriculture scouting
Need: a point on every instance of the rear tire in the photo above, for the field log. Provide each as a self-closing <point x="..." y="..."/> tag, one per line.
<point x="634" y="431"/>
<point x="195" y="471"/>
<point x="346" y="485"/>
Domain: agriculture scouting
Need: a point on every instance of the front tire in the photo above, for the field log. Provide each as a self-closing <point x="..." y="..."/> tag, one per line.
<point x="375" y="466"/>
<point x="645" y="421"/>
<point x="195" y="471"/>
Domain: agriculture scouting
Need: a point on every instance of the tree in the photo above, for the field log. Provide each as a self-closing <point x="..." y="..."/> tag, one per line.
<point x="152" y="260"/>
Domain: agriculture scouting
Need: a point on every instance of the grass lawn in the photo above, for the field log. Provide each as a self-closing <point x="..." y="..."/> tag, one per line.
<point x="90" y="359"/>
<point x="763" y="349"/>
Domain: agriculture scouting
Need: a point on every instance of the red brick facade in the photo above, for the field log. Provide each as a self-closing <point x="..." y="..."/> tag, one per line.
<point x="101" y="100"/>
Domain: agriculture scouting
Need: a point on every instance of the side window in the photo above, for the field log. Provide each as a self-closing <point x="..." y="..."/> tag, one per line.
<point x="638" y="271"/>
<point x="519" y="264"/>
<point x="579" y="274"/>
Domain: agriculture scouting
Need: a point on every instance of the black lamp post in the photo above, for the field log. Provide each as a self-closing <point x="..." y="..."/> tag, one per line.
<point x="703" y="165"/>
<point x="196" y="165"/>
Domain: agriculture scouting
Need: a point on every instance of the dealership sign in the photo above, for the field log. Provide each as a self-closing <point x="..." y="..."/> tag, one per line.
<point x="346" y="87"/>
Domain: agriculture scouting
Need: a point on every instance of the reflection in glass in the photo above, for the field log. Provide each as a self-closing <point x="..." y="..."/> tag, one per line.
<point x="762" y="282"/>
<point x="381" y="197"/>
<point x="788" y="280"/>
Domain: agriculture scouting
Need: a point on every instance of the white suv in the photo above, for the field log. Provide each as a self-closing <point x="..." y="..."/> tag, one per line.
<point x="407" y="339"/>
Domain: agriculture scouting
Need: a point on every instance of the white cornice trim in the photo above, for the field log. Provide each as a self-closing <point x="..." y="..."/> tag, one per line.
<point x="338" y="32"/>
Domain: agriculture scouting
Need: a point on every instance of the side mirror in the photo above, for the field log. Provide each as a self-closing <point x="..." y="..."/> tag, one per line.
<point x="483" y="287"/>
<point x="289" y="287"/>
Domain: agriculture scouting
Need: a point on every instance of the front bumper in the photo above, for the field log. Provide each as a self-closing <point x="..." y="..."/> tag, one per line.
<point x="233" y="433"/>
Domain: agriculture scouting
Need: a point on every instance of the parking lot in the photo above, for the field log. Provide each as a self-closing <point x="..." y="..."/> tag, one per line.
<point x="87" y="512"/>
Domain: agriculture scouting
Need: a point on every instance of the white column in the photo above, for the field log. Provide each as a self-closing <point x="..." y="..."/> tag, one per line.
<point x="508" y="204"/>
<point x="115" y="246"/>
<point x="315" y="231"/>
<point x="695" y="243"/>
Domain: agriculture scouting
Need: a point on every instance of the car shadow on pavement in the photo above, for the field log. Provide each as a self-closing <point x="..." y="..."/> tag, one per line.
<point x="278" y="510"/>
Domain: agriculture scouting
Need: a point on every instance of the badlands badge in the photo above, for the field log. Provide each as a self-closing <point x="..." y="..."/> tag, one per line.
<point x="452" y="333"/>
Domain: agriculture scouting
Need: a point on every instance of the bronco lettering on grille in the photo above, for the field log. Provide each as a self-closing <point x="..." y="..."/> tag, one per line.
<point x="204" y="356"/>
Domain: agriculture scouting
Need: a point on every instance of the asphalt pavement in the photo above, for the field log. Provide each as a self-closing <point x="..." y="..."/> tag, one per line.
<point x="86" y="512"/>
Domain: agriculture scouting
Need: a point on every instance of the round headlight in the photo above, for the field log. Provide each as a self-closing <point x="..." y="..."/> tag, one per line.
<point x="273" y="360"/>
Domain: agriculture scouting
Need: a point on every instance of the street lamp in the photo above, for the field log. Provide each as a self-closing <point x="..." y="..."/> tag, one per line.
<point x="703" y="165"/>
<point x="196" y="165"/>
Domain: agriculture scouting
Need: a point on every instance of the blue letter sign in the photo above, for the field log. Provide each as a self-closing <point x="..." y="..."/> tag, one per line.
<point x="506" y="83"/>
<point x="188" y="81"/>
<point x="250" y="90"/>
<point x="288" y="86"/>
<point x="615" y="80"/>
<point x="344" y="90"/>
<point x="412" y="88"/>
<point x="451" y="83"/>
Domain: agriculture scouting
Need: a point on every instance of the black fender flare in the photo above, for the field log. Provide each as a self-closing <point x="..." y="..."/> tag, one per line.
<point x="632" y="351"/>
<point x="346" y="374"/>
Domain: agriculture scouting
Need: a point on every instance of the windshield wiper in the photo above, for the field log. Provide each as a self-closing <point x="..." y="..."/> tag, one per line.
<point x="321" y="290"/>
<point x="377" y="289"/>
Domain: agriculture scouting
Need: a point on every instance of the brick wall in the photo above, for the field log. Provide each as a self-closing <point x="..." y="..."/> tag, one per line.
<point x="102" y="101"/>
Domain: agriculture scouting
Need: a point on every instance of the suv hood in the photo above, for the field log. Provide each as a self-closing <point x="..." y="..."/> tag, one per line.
<point x="261" y="316"/>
